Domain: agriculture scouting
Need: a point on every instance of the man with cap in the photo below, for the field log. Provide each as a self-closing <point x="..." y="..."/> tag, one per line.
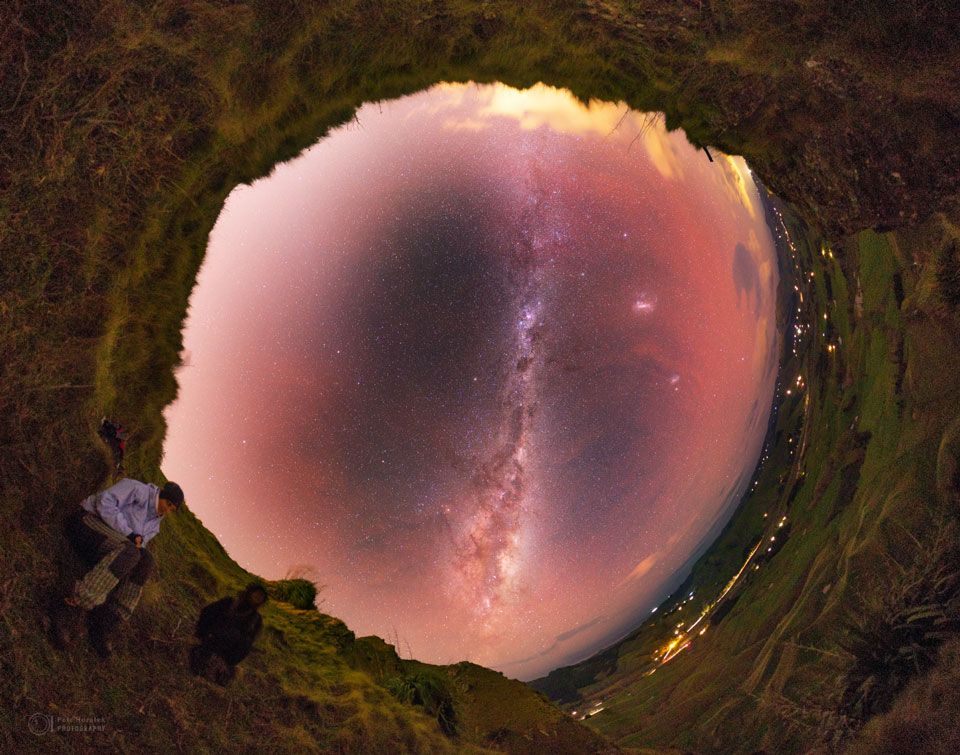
<point x="110" y="531"/>
<point x="226" y="630"/>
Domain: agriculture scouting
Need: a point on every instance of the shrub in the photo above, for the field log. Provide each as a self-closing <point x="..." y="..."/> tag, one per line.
<point x="894" y="634"/>
<point x="300" y="593"/>
<point x="430" y="693"/>
<point x="899" y="626"/>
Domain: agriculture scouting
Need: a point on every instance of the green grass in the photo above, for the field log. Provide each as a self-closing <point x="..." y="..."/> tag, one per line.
<point x="309" y="684"/>
<point x="767" y="675"/>
<point x="124" y="126"/>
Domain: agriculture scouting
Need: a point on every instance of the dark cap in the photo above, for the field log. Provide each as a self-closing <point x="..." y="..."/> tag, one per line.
<point x="173" y="493"/>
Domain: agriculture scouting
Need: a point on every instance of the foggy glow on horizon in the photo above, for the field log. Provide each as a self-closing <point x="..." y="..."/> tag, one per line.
<point x="493" y="363"/>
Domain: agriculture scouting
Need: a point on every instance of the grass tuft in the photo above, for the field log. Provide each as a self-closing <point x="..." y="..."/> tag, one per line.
<point x="900" y="623"/>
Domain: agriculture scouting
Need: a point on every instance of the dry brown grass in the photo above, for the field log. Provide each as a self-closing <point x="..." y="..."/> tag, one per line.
<point x="925" y="719"/>
<point x="123" y="126"/>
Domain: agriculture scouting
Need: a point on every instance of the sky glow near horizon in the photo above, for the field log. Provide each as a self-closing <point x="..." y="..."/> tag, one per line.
<point x="492" y="363"/>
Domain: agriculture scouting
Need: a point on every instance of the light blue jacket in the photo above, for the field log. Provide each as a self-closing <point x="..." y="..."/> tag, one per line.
<point x="128" y="507"/>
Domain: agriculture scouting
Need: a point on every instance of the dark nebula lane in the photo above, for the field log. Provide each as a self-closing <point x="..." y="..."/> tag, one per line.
<point x="489" y="360"/>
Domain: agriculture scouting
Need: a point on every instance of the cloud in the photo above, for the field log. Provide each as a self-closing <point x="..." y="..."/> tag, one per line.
<point x="557" y="641"/>
<point x="557" y="109"/>
<point x="564" y="636"/>
<point x="663" y="148"/>
<point x="746" y="277"/>
<point x="640" y="569"/>
<point x="737" y="181"/>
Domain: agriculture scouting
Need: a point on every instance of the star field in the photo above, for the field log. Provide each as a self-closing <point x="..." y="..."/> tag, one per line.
<point x="493" y="363"/>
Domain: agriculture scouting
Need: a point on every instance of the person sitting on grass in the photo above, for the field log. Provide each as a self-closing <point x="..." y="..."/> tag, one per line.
<point x="109" y="531"/>
<point x="227" y="629"/>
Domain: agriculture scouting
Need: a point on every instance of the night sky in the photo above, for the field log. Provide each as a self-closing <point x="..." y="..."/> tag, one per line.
<point x="491" y="363"/>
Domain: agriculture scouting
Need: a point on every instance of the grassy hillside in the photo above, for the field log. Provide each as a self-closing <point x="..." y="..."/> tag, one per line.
<point x="123" y="127"/>
<point x="855" y="513"/>
<point x="308" y="686"/>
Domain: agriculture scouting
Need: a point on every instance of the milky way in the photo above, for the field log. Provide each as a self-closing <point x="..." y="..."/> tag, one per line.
<point x="494" y="364"/>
